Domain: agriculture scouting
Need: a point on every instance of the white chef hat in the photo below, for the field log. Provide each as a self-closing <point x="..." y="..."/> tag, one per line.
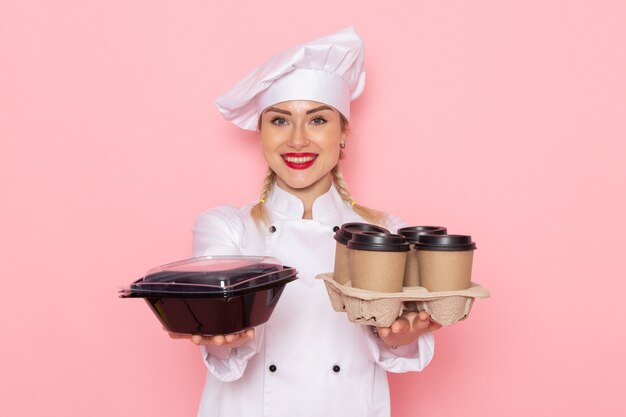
<point x="329" y="70"/>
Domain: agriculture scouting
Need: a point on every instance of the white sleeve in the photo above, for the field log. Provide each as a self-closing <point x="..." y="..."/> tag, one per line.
<point x="219" y="231"/>
<point x="412" y="357"/>
<point x="228" y="364"/>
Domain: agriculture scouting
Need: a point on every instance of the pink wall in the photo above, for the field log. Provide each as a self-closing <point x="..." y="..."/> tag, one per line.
<point x="501" y="119"/>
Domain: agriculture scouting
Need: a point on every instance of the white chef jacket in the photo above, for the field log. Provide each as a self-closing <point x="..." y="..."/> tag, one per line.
<point x="307" y="360"/>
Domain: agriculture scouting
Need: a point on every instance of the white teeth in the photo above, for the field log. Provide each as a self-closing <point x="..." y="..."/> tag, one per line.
<point x="299" y="160"/>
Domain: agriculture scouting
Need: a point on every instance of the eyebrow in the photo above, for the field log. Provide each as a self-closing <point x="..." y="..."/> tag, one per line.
<point x="277" y="110"/>
<point x="320" y="108"/>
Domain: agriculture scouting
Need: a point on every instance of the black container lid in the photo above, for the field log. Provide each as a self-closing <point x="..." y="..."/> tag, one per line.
<point x="449" y="243"/>
<point x="344" y="234"/>
<point x="373" y="241"/>
<point x="212" y="276"/>
<point x="412" y="233"/>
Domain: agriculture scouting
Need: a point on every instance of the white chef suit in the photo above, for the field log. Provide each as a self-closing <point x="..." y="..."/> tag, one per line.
<point x="307" y="360"/>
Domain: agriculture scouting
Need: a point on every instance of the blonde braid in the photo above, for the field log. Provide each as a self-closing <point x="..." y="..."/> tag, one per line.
<point x="259" y="212"/>
<point x="372" y="216"/>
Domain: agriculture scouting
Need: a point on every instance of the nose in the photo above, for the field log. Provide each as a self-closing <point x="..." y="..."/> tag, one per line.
<point x="298" y="138"/>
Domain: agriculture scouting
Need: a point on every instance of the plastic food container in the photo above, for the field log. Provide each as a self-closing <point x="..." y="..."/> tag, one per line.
<point x="213" y="294"/>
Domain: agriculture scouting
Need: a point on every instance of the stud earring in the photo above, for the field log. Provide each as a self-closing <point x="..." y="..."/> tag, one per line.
<point x="343" y="145"/>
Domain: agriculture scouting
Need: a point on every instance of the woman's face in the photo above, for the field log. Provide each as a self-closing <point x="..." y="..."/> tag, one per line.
<point x="300" y="141"/>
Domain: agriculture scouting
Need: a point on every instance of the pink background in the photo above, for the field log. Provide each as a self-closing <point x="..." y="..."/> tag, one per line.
<point x="501" y="119"/>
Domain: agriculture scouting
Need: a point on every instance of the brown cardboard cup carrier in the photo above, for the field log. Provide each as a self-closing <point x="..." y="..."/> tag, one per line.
<point x="343" y="236"/>
<point x="412" y="234"/>
<point x="377" y="261"/>
<point x="445" y="262"/>
<point x="382" y="309"/>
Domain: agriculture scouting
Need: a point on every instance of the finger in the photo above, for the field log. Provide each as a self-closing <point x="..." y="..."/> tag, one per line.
<point x="434" y="326"/>
<point x="197" y="339"/>
<point x="400" y="325"/>
<point x="250" y="333"/>
<point x="218" y="340"/>
<point x="424" y="316"/>
<point x="231" y="337"/>
<point x="422" y="325"/>
<point x="384" y="331"/>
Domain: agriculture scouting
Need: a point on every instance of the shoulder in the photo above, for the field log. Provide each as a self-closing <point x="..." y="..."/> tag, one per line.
<point x="220" y="230"/>
<point x="393" y="223"/>
<point x="380" y="218"/>
<point x="226" y="214"/>
<point x="224" y="218"/>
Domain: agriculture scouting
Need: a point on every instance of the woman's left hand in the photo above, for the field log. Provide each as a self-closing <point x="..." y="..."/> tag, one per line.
<point x="407" y="328"/>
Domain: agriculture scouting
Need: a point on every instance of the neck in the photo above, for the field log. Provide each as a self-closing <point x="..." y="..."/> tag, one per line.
<point x="309" y="194"/>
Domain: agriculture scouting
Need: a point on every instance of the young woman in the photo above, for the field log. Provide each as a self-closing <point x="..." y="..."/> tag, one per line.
<point x="307" y="360"/>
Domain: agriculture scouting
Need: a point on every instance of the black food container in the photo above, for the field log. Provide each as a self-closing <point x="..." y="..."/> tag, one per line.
<point x="213" y="294"/>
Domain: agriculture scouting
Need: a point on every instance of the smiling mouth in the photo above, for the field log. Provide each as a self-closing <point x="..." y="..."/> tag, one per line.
<point x="299" y="160"/>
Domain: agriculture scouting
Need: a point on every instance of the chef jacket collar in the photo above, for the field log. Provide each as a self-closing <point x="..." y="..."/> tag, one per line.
<point x="328" y="208"/>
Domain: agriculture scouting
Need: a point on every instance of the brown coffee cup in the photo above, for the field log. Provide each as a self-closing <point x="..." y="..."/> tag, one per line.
<point x="343" y="236"/>
<point x="445" y="262"/>
<point x="412" y="234"/>
<point x="377" y="261"/>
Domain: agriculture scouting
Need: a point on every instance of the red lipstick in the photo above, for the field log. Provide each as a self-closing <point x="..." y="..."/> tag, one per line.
<point x="299" y="160"/>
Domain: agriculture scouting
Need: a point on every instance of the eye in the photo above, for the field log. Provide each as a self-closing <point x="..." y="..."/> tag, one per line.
<point x="279" y="121"/>
<point x="318" y="121"/>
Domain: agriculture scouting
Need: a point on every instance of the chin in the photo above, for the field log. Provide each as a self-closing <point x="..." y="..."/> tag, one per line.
<point x="299" y="185"/>
<point x="302" y="183"/>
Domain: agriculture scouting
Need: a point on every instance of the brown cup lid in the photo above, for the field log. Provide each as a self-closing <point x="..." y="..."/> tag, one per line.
<point x="344" y="234"/>
<point x="412" y="233"/>
<point x="449" y="243"/>
<point x="373" y="241"/>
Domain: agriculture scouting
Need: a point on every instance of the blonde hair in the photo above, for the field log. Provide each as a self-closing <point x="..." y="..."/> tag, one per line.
<point x="259" y="212"/>
<point x="371" y="215"/>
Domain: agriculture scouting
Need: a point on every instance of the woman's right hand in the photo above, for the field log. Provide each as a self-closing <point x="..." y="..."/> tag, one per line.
<point x="232" y="340"/>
